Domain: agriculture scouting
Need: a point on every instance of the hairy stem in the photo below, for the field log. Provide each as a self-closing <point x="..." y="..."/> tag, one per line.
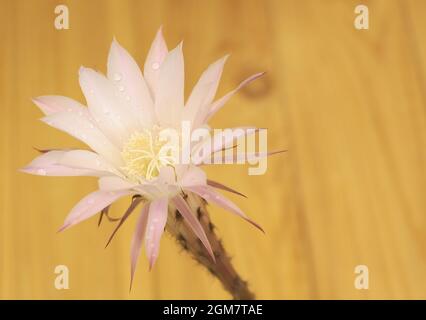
<point x="222" y="269"/>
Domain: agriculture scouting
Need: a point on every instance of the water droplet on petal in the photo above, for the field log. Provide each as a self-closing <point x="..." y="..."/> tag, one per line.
<point x="155" y="66"/>
<point x="41" y="172"/>
<point x="121" y="88"/>
<point x="117" y="76"/>
<point x="128" y="98"/>
<point x="91" y="126"/>
<point x="80" y="113"/>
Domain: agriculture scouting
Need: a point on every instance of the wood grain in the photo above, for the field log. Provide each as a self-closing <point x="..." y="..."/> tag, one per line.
<point x="349" y="105"/>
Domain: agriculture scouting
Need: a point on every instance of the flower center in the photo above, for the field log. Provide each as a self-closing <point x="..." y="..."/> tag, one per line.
<point x="145" y="153"/>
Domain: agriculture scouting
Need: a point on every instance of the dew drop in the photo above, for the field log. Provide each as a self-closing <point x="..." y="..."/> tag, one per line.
<point x="121" y="88"/>
<point x="155" y="66"/>
<point x="117" y="77"/>
<point x="41" y="172"/>
<point x="128" y="98"/>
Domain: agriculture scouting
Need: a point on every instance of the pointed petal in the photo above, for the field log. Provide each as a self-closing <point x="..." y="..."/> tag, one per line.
<point x="108" y="111"/>
<point x="169" y="93"/>
<point x="113" y="183"/>
<point x="212" y="196"/>
<point x="135" y="247"/>
<point x="82" y="128"/>
<point x="218" y="104"/>
<point x="48" y="164"/>
<point x="58" y="171"/>
<point x="84" y="159"/>
<point x="190" y="176"/>
<point x="249" y="156"/>
<point x="218" y="185"/>
<point x="90" y="205"/>
<point x="47" y="159"/>
<point x="193" y="223"/>
<point x="154" y="60"/>
<point x="204" y="91"/>
<point x="124" y="72"/>
<point x="53" y="104"/>
<point x="105" y="212"/>
<point x="157" y="219"/>
<point x="130" y="209"/>
<point x="224" y="139"/>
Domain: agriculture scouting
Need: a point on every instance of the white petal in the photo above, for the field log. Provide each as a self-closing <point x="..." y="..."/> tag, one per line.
<point x="106" y="108"/>
<point x="157" y="219"/>
<point x="190" y="176"/>
<point x="113" y="183"/>
<point x="155" y="58"/>
<point x="84" y="159"/>
<point x="59" y="171"/>
<point x="222" y="140"/>
<point x="125" y="74"/>
<point x="90" y="205"/>
<point x="249" y="156"/>
<point x="50" y="164"/>
<point x="81" y="127"/>
<point x="205" y="116"/>
<point x="52" y="104"/>
<point x="169" y="93"/>
<point x="136" y="244"/>
<point x="204" y="91"/>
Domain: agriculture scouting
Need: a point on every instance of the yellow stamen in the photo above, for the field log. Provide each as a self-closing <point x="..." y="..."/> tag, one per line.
<point x="144" y="155"/>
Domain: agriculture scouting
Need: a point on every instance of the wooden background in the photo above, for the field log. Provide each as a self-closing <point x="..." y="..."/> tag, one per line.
<point x="349" y="105"/>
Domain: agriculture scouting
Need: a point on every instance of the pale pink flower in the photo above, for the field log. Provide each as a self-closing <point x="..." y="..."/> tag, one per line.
<point x="120" y="126"/>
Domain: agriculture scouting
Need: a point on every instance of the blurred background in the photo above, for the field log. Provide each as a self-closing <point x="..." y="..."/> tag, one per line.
<point x="349" y="105"/>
